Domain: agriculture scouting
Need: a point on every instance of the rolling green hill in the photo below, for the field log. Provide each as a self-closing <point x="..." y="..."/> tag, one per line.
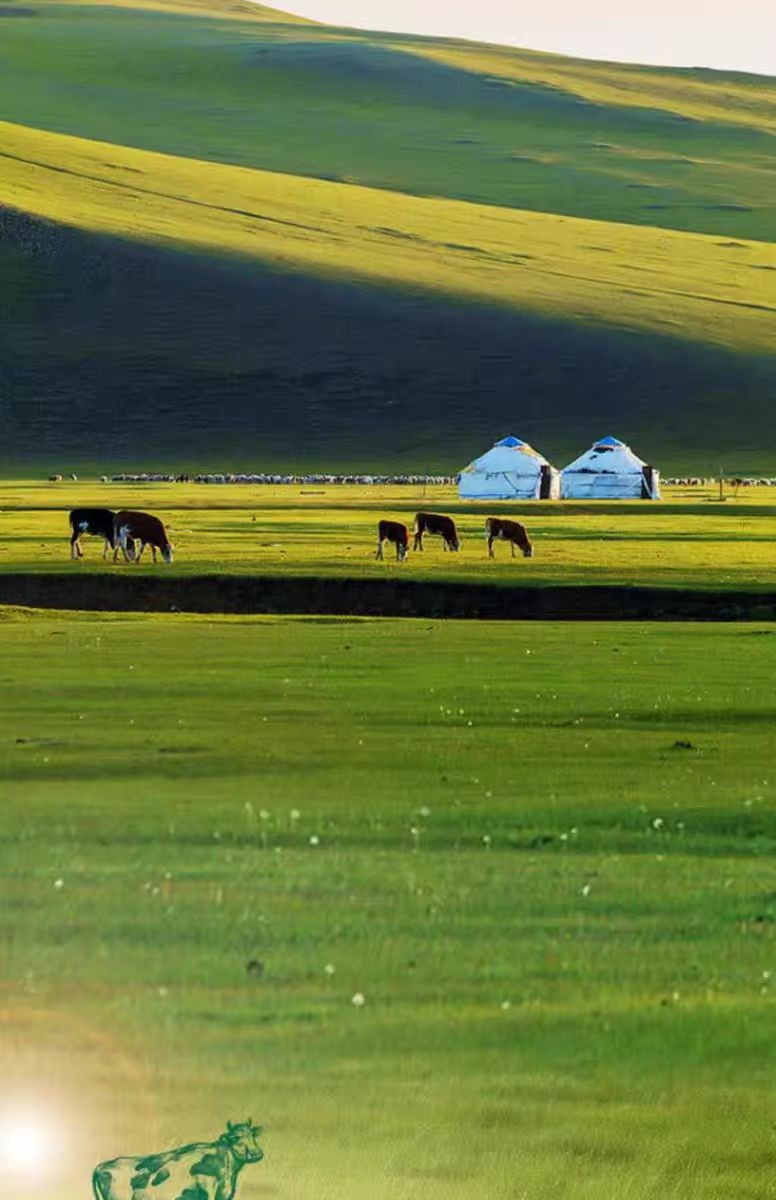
<point x="230" y="234"/>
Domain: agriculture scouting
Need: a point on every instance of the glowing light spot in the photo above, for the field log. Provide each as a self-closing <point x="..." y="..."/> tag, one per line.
<point x="29" y="1143"/>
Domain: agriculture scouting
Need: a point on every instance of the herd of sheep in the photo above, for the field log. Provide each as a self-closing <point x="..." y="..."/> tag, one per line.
<point x="281" y="479"/>
<point x="366" y="480"/>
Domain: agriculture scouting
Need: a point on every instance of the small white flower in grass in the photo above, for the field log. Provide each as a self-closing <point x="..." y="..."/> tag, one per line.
<point x="505" y="1004"/>
<point x="424" y="811"/>
<point x="59" y="883"/>
<point x="657" y="823"/>
<point x="358" y="1000"/>
<point x="295" y="814"/>
<point x="585" y="891"/>
<point x="486" y="840"/>
<point x="315" y="840"/>
<point x="163" y="992"/>
<point x="264" y="814"/>
<point x="329" y="969"/>
<point x="766" y="974"/>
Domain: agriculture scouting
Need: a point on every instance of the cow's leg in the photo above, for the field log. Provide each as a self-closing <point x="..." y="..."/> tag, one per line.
<point x="139" y="555"/>
<point x="512" y="544"/>
<point x="74" y="545"/>
<point x="490" y="547"/>
<point x="105" y="549"/>
<point x="379" y="548"/>
<point x="153" y="550"/>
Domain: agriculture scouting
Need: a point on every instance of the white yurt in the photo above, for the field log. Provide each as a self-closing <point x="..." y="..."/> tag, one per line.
<point x="510" y="470"/>
<point x="609" y="470"/>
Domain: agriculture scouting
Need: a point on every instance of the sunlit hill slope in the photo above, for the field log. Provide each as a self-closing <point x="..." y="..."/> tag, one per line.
<point x="232" y="237"/>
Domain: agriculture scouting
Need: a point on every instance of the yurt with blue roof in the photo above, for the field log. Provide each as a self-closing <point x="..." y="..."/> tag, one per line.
<point x="609" y="470"/>
<point x="510" y="470"/>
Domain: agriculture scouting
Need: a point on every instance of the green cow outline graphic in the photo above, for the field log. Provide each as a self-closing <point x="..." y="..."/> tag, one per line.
<point x="198" y="1171"/>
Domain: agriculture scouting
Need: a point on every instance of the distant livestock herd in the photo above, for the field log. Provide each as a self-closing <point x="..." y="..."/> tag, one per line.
<point x="369" y="480"/>
<point x="365" y="480"/>
<point x="130" y="532"/>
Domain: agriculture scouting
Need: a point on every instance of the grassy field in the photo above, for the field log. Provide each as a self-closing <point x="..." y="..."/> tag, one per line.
<point x="291" y="241"/>
<point x="136" y="353"/>
<point x="696" y="287"/>
<point x="429" y="116"/>
<point x="688" y="541"/>
<point x="542" y="854"/>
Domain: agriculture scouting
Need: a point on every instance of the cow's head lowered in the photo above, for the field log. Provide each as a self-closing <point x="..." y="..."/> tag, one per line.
<point x="527" y="548"/>
<point x="243" y="1140"/>
<point x="166" y="550"/>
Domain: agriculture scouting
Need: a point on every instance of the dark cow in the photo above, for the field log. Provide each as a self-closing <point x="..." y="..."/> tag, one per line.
<point x="397" y="534"/>
<point x="202" y="1171"/>
<point x="130" y="527"/>
<point x="434" y="523"/>
<point x="96" y="521"/>
<point x="508" y="531"/>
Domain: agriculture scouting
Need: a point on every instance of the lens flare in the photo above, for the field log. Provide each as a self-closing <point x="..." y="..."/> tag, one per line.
<point x="29" y="1143"/>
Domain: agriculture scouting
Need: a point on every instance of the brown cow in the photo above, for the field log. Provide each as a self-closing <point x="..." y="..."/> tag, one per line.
<point x="434" y="523"/>
<point x="508" y="531"/>
<point x="395" y="532"/>
<point x="140" y="527"/>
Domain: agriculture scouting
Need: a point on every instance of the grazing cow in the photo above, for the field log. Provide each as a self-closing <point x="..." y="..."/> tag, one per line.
<point x="140" y="527"/>
<point x="55" y="478"/>
<point x="508" y="531"/>
<point x="395" y="532"/>
<point x="202" y="1171"/>
<point x="435" y="524"/>
<point x="96" y="521"/>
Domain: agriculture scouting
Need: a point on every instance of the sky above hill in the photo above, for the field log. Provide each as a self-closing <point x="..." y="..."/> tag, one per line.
<point x="689" y="33"/>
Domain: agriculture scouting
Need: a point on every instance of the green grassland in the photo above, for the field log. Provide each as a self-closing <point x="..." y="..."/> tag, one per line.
<point x="542" y="853"/>
<point x="227" y="233"/>
<point x="196" y="311"/>
<point x="689" y="541"/>
<point x="681" y="149"/>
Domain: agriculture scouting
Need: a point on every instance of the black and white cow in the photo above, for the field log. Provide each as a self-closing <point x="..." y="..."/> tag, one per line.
<point x="435" y="523"/>
<point x="96" y="521"/>
<point x="396" y="533"/>
<point x="201" y="1171"/>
